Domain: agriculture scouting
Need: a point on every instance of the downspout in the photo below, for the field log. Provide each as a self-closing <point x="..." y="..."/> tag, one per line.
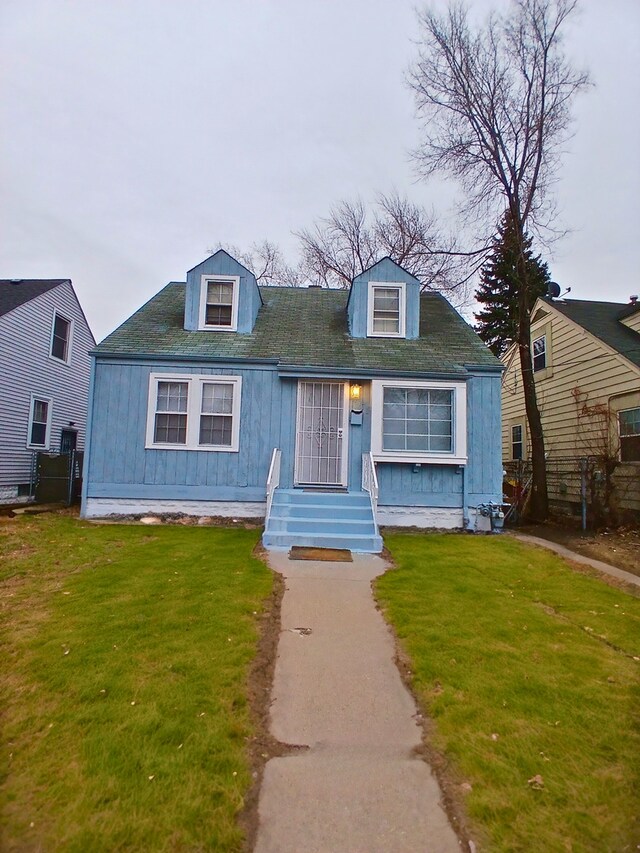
<point x="465" y="516"/>
<point x="87" y="440"/>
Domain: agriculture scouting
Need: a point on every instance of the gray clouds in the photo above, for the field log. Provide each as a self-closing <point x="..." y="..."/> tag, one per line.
<point x="137" y="134"/>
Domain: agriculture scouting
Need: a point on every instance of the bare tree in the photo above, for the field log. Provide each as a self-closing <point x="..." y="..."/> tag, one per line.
<point x="494" y="102"/>
<point x="266" y="262"/>
<point x="350" y="239"/>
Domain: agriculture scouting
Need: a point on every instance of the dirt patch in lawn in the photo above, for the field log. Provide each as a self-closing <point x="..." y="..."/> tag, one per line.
<point x="620" y="548"/>
<point x="263" y="746"/>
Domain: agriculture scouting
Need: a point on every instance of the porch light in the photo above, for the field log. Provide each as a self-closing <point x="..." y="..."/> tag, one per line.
<point x="356" y="392"/>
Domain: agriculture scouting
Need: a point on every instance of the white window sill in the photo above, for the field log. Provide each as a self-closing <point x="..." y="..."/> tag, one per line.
<point x="206" y="448"/>
<point x="420" y="458"/>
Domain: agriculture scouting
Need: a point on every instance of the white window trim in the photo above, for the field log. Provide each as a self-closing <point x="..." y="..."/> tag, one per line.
<point x="47" y="439"/>
<point x="69" y="320"/>
<point x="620" y="436"/>
<point x="522" y="441"/>
<point x="202" y="324"/>
<point x="458" y="456"/>
<point x="395" y="285"/>
<point x="534" y="341"/>
<point x="194" y="401"/>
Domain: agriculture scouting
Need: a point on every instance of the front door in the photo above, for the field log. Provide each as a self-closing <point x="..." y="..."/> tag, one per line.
<point x="321" y="455"/>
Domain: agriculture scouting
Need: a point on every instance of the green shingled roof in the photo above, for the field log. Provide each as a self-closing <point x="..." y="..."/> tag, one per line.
<point x="303" y="327"/>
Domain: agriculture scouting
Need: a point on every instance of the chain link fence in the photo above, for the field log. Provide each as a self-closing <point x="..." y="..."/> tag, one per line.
<point x="600" y="490"/>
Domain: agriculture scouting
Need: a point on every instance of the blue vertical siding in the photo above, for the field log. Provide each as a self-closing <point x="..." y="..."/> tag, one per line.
<point x="223" y="264"/>
<point x="118" y="458"/>
<point x="403" y="484"/>
<point x="384" y="270"/>
<point x="484" y="437"/>
<point x="119" y="465"/>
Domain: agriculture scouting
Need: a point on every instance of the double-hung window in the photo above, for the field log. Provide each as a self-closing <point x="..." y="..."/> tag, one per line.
<point x="170" y="425"/>
<point x="629" y="424"/>
<point x="61" y="338"/>
<point x="216" y="414"/>
<point x="517" y="442"/>
<point x="386" y="310"/>
<point x="219" y="302"/>
<point x="539" y="353"/>
<point x="194" y="412"/>
<point x="418" y="421"/>
<point x="39" y="423"/>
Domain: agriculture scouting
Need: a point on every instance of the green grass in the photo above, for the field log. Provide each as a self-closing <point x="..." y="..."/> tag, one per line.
<point x="505" y="640"/>
<point x="125" y="710"/>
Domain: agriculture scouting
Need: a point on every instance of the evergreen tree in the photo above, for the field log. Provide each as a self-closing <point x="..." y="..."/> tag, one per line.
<point x="498" y="291"/>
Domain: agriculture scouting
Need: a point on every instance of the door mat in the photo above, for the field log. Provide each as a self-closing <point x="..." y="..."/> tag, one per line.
<point x="330" y="555"/>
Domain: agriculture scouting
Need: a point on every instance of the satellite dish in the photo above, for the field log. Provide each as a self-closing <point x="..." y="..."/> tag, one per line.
<point x="553" y="290"/>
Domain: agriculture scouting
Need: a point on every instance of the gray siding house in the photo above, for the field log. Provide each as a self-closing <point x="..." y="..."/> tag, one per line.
<point x="44" y="376"/>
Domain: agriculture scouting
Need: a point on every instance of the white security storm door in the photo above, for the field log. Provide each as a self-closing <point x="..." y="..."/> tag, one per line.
<point x="321" y="454"/>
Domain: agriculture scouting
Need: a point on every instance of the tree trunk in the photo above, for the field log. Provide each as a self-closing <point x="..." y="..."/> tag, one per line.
<point x="539" y="503"/>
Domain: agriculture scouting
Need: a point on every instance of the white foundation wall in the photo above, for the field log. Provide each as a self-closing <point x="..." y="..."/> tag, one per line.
<point x="420" y="516"/>
<point x="9" y="495"/>
<point x="100" y="507"/>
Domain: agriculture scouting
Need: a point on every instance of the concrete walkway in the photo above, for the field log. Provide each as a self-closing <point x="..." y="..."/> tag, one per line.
<point x="358" y="788"/>
<point x="608" y="569"/>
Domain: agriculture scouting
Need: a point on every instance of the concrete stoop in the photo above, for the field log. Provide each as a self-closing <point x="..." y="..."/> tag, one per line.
<point x="322" y="519"/>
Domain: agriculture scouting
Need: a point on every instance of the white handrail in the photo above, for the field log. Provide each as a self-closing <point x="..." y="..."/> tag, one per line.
<point x="273" y="479"/>
<point x="370" y="482"/>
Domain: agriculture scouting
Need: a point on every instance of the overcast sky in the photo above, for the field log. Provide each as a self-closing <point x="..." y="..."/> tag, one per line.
<point x="136" y="134"/>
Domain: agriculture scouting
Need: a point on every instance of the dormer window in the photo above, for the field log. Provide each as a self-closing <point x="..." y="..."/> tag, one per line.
<point x="219" y="302"/>
<point x="386" y="310"/>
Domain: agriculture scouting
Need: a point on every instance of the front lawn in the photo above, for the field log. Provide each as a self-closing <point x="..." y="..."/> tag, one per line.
<point x="528" y="669"/>
<point x="124" y="684"/>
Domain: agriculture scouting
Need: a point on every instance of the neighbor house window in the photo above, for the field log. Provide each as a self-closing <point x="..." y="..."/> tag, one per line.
<point x="540" y="353"/>
<point x="416" y="421"/>
<point x="386" y="314"/>
<point x="194" y="412"/>
<point x="219" y="302"/>
<point x="39" y="423"/>
<point x="517" y="442"/>
<point x="61" y="338"/>
<point x="629" y="422"/>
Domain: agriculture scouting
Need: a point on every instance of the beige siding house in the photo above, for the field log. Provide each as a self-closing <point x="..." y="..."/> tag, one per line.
<point x="587" y="368"/>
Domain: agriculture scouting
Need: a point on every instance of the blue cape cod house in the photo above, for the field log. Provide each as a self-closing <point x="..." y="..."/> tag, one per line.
<point x="330" y="412"/>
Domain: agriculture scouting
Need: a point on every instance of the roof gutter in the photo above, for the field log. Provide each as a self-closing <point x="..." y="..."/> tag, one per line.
<point x="364" y="374"/>
<point x="176" y="356"/>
